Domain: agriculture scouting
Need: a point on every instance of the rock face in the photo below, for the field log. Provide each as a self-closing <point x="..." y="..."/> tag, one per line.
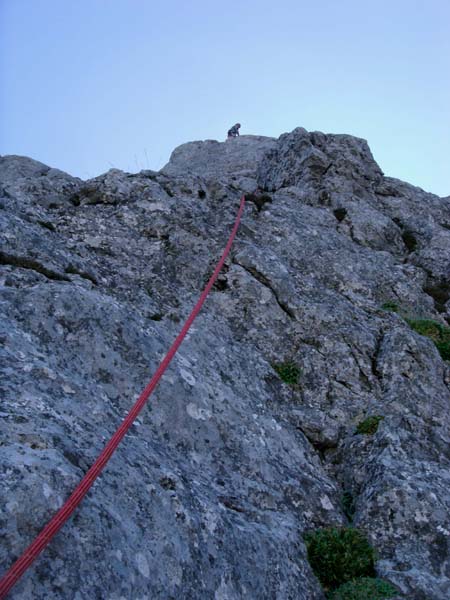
<point x="211" y="492"/>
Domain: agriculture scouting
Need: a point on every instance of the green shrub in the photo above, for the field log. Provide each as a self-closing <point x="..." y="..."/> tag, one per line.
<point x="444" y="349"/>
<point x="436" y="332"/>
<point x="365" y="588"/>
<point x="338" y="555"/>
<point x="390" y="306"/>
<point x="288" y="372"/>
<point x="370" y="425"/>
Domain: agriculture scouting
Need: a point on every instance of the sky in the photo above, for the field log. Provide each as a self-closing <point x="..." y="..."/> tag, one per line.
<point x="88" y="85"/>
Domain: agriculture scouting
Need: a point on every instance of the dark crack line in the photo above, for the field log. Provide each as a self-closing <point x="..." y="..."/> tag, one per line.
<point x="31" y="264"/>
<point x="265" y="282"/>
<point x="327" y="169"/>
<point x="352" y="236"/>
<point x="71" y="270"/>
<point x="375" y="357"/>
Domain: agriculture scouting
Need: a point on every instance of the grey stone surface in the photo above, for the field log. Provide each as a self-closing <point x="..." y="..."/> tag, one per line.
<point x="210" y="493"/>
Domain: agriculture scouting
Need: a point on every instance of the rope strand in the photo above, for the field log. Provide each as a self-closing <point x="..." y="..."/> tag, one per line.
<point x="54" y="525"/>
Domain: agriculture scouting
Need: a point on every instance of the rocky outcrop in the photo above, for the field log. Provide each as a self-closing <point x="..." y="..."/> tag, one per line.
<point x="210" y="494"/>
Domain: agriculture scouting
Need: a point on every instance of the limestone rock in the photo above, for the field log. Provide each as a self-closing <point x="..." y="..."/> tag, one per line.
<point x="212" y="490"/>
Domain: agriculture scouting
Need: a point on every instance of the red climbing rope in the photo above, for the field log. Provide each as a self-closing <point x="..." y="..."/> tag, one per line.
<point x="55" y="524"/>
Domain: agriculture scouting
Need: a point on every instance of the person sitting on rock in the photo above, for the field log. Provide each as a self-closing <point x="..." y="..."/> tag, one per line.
<point x="234" y="131"/>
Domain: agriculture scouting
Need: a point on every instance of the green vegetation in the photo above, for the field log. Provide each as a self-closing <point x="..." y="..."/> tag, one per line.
<point x="370" y="425"/>
<point x="390" y="307"/>
<point x="338" y="555"/>
<point x="438" y="333"/>
<point x="365" y="588"/>
<point x="288" y="372"/>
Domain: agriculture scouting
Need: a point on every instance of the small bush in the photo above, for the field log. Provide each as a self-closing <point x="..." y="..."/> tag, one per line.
<point x="365" y="588"/>
<point x="370" y="425"/>
<point x="390" y="306"/>
<point x="444" y="349"/>
<point x="338" y="555"/>
<point x="288" y="372"/>
<point x="436" y="332"/>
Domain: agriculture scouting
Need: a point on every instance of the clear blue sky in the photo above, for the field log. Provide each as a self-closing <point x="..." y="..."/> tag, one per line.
<point x="90" y="84"/>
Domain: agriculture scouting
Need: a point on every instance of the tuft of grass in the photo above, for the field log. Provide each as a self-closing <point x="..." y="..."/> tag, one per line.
<point x="338" y="555"/>
<point x="370" y="425"/>
<point x="364" y="588"/>
<point x="288" y="372"/>
<point x="438" y="333"/>
<point x="390" y="307"/>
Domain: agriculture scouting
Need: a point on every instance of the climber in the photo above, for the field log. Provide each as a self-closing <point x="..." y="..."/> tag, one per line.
<point x="234" y="131"/>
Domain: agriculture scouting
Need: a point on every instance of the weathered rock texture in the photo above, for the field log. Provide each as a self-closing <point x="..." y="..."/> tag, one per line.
<point x="209" y="495"/>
